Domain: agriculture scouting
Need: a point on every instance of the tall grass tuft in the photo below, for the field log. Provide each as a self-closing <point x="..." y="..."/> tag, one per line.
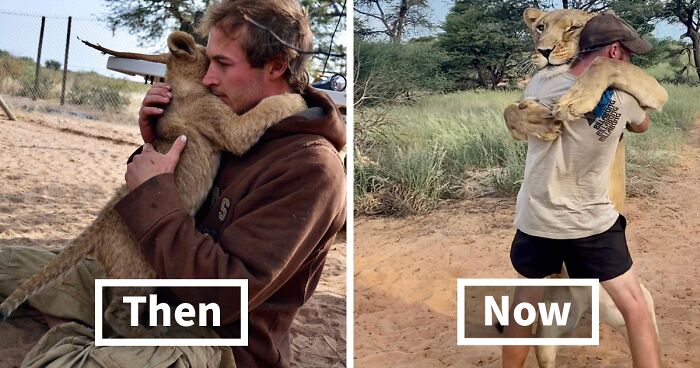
<point x="439" y="146"/>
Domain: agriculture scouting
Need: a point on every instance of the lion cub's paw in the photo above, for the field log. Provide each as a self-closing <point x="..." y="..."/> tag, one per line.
<point x="119" y="318"/>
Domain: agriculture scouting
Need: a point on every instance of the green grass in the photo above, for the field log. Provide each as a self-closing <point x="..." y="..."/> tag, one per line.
<point x="455" y="145"/>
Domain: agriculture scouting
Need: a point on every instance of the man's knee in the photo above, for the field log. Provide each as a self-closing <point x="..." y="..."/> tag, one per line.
<point x="627" y="295"/>
<point x="633" y="305"/>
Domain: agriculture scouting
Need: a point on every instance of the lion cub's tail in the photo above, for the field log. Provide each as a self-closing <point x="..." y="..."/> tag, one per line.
<point x="56" y="270"/>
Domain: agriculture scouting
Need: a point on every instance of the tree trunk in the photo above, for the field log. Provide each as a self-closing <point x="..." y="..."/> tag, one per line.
<point x="695" y="37"/>
<point x="400" y="21"/>
<point x="480" y="74"/>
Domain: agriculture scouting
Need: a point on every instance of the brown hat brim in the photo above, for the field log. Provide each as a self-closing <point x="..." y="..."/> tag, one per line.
<point x="637" y="45"/>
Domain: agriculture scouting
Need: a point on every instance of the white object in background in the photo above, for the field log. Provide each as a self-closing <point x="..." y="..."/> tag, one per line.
<point x="339" y="98"/>
<point x="136" y="67"/>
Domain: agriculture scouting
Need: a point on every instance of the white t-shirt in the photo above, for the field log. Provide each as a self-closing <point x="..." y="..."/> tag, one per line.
<point x="564" y="194"/>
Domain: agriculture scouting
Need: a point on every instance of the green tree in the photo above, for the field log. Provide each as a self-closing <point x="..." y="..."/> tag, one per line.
<point x="386" y="72"/>
<point x="151" y="19"/>
<point x="52" y="64"/>
<point x="485" y="41"/>
<point x="641" y="14"/>
<point x="687" y="13"/>
<point x="328" y="23"/>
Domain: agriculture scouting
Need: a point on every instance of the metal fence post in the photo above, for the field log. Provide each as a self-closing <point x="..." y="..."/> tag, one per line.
<point x="65" y="63"/>
<point x="38" y="60"/>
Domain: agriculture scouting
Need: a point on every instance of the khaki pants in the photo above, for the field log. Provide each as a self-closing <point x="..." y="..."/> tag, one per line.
<point x="72" y="344"/>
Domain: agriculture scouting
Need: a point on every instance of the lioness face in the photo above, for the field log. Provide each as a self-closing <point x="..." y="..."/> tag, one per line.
<point x="556" y="34"/>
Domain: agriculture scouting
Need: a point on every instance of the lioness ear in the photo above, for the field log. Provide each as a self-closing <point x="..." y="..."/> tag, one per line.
<point x="181" y="44"/>
<point x="530" y="16"/>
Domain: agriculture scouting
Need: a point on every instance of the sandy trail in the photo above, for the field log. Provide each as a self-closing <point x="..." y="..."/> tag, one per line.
<point x="406" y="271"/>
<point x="56" y="174"/>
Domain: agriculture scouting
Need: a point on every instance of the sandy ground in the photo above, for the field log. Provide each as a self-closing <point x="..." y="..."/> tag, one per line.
<point x="406" y="271"/>
<point x="56" y="174"/>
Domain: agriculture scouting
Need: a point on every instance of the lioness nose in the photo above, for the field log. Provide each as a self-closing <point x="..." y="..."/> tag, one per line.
<point x="545" y="52"/>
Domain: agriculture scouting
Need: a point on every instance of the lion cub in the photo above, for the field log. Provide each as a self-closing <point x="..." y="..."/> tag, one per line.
<point x="211" y="127"/>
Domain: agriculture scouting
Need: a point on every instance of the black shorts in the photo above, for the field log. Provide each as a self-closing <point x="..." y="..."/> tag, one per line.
<point x="602" y="256"/>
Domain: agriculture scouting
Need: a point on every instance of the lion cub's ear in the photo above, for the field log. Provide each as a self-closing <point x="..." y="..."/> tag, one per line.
<point x="530" y="16"/>
<point x="181" y="45"/>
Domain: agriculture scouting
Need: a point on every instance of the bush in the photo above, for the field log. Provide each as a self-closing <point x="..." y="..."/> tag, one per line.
<point x="103" y="97"/>
<point x="387" y="72"/>
<point x="52" y="64"/>
<point x="43" y="88"/>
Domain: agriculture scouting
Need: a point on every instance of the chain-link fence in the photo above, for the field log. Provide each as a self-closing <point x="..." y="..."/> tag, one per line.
<point x="45" y="68"/>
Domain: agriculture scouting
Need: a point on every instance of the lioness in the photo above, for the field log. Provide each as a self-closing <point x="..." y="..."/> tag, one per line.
<point x="210" y="127"/>
<point x="556" y="36"/>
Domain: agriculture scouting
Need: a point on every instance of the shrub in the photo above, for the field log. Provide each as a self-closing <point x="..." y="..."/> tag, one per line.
<point x="42" y="88"/>
<point x="103" y="97"/>
<point x="52" y="64"/>
<point x="388" y="72"/>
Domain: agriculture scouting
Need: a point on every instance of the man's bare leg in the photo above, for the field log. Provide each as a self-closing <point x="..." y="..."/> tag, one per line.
<point x="628" y="297"/>
<point x="514" y="356"/>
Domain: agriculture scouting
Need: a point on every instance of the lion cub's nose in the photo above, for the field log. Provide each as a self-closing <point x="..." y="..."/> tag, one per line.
<point x="545" y="52"/>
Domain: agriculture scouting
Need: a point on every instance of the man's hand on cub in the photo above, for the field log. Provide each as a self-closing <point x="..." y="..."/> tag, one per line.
<point x="152" y="107"/>
<point x="150" y="163"/>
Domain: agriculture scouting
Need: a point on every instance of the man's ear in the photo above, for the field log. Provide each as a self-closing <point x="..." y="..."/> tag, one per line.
<point x="615" y="51"/>
<point x="276" y="68"/>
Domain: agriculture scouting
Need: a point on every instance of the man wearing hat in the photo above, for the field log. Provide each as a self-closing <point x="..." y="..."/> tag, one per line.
<point x="563" y="211"/>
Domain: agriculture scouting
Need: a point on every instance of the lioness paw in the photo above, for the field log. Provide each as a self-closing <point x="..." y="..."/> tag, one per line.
<point x="549" y="136"/>
<point x="654" y="100"/>
<point x="575" y="104"/>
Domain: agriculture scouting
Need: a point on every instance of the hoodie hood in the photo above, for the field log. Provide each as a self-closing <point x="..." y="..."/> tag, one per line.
<point x="321" y="118"/>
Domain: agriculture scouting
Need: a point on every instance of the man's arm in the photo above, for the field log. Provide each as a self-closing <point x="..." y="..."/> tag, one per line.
<point x="277" y="226"/>
<point x="641" y="127"/>
<point x="635" y="117"/>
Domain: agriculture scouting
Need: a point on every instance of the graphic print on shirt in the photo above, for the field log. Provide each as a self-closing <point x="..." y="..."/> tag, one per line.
<point x="225" y="204"/>
<point x="605" y="116"/>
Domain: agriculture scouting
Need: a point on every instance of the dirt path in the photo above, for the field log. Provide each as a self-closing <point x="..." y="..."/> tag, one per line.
<point x="56" y="174"/>
<point x="406" y="271"/>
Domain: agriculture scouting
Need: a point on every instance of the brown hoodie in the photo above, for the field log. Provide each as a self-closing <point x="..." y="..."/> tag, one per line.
<point x="271" y="218"/>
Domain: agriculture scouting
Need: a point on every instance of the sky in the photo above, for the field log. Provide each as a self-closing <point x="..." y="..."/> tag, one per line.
<point x="19" y="34"/>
